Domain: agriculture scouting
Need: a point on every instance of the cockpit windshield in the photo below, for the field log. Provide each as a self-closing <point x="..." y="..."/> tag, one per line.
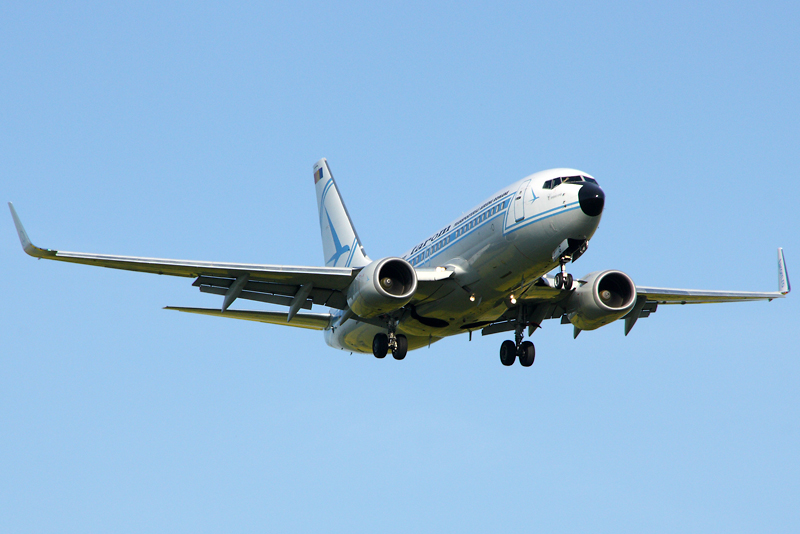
<point x="552" y="184"/>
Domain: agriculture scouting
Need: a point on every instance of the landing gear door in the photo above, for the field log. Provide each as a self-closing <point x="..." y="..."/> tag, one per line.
<point x="519" y="201"/>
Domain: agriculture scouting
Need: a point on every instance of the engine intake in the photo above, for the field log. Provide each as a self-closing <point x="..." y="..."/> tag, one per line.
<point x="601" y="298"/>
<point x="382" y="286"/>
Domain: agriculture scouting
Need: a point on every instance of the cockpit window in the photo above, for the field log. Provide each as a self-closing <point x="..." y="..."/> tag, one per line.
<point x="552" y="184"/>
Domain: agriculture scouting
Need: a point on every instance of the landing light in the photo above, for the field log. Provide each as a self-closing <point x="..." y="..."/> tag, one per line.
<point x="472" y="298"/>
<point x="513" y="299"/>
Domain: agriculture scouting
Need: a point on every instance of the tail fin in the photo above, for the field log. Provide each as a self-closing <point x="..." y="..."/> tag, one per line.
<point x="340" y="242"/>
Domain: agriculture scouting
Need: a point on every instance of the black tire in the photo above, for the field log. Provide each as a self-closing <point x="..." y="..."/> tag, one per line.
<point x="380" y="345"/>
<point x="527" y="353"/>
<point x="402" y="347"/>
<point x="559" y="281"/>
<point x="508" y="353"/>
<point x="568" y="282"/>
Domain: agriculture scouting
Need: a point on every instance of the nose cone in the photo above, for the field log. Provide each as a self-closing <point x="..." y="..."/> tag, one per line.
<point x="591" y="199"/>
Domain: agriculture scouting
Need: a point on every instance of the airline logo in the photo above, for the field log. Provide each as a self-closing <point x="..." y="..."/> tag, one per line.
<point x="318" y="175"/>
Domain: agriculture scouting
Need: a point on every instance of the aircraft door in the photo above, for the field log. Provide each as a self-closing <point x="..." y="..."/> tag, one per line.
<point x="519" y="201"/>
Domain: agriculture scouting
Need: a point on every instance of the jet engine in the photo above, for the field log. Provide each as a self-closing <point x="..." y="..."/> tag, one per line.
<point x="382" y="286"/>
<point x="601" y="297"/>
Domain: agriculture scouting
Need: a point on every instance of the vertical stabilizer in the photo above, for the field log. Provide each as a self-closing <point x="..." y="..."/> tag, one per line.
<point x="340" y="242"/>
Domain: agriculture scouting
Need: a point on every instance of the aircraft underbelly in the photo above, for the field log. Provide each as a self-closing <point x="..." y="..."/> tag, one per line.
<point x="356" y="336"/>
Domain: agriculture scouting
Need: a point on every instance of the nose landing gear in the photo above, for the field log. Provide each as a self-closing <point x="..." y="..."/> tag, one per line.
<point x="569" y="250"/>
<point x="563" y="279"/>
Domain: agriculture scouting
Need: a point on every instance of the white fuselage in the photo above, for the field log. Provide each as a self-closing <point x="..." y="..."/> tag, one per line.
<point x="496" y="248"/>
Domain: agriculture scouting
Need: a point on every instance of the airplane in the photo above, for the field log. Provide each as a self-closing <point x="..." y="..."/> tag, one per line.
<point x="486" y="271"/>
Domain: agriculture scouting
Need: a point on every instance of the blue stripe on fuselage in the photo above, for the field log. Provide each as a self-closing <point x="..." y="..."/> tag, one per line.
<point x="542" y="216"/>
<point x="462" y="224"/>
<point x="534" y="219"/>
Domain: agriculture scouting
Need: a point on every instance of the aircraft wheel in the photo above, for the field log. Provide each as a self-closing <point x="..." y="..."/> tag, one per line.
<point x="380" y="345"/>
<point x="568" y="282"/>
<point x="559" y="280"/>
<point x="402" y="347"/>
<point x="508" y="353"/>
<point x="527" y="353"/>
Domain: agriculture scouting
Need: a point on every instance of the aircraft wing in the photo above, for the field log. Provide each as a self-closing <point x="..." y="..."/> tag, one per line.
<point x="312" y="321"/>
<point x="541" y="301"/>
<point x="294" y="286"/>
<point x="663" y="295"/>
<point x="649" y="298"/>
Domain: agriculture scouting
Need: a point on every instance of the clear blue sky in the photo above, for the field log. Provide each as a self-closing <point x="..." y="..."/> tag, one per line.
<point x="189" y="130"/>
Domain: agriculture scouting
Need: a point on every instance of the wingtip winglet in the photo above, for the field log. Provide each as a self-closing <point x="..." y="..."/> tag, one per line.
<point x="27" y="246"/>
<point x="784" y="286"/>
<point x="23" y="235"/>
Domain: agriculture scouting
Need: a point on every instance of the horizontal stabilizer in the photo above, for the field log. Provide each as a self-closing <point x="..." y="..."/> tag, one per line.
<point x="313" y="321"/>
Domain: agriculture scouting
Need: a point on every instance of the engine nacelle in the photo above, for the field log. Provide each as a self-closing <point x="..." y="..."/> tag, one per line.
<point x="601" y="298"/>
<point x="382" y="286"/>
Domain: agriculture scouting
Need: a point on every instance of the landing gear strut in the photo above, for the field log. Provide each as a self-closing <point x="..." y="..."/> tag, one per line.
<point x="383" y="343"/>
<point x="511" y="350"/>
<point x="563" y="279"/>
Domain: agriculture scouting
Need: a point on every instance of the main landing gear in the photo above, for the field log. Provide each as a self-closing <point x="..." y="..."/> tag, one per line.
<point x="569" y="250"/>
<point x="397" y="343"/>
<point x="511" y="350"/>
